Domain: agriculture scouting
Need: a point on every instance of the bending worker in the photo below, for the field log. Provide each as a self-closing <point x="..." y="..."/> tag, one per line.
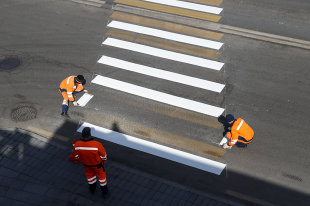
<point x="239" y="132"/>
<point x="92" y="154"/>
<point x="68" y="87"/>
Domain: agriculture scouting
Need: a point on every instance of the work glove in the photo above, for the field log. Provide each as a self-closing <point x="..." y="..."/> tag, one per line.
<point x="226" y="146"/>
<point x="75" y="103"/>
<point x="85" y="91"/>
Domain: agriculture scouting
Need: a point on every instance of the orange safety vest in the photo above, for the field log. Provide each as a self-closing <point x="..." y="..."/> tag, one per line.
<point x="69" y="86"/>
<point x="89" y="152"/>
<point x="242" y="129"/>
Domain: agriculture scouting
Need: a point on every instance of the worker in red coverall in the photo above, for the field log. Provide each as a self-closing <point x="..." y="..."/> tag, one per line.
<point x="68" y="87"/>
<point x="92" y="154"/>
<point x="239" y="132"/>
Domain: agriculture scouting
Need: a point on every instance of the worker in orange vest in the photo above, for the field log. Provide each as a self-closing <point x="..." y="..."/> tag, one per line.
<point x="68" y="87"/>
<point x="239" y="132"/>
<point x="93" y="155"/>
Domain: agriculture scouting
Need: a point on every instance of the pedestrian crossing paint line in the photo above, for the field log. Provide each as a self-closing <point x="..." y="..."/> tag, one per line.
<point x="208" y="2"/>
<point x="158" y="73"/>
<point x="155" y="149"/>
<point x="166" y="35"/>
<point x="131" y="127"/>
<point x="158" y="96"/>
<point x="170" y="10"/>
<point x="188" y="5"/>
<point x="84" y="99"/>
<point x="168" y="26"/>
<point x="164" y="44"/>
<point x="184" y="58"/>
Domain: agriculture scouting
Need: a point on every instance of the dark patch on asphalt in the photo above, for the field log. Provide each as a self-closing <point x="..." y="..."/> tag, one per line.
<point x="292" y="177"/>
<point x="142" y="133"/>
<point x="9" y="63"/>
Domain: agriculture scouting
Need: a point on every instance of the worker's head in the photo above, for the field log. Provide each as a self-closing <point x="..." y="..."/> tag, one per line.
<point x="80" y="79"/>
<point x="86" y="132"/>
<point x="230" y="118"/>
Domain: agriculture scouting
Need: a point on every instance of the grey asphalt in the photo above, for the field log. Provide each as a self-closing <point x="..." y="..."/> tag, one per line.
<point x="35" y="170"/>
<point x="280" y="17"/>
<point x="266" y="84"/>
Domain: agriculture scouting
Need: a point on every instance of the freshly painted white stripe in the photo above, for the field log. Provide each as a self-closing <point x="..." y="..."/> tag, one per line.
<point x="155" y="149"/>
<point x="158" y="96"/>
<point x="164" y="53"/>
<point x="240" y="125"/>
<point x="84" y="99"/>
<point x="86" y="148"/>
<point x="158" y="73"/>
<point x="166" y="35"/>
<point x="223" y="141"/>
<point x="188" y="5"/>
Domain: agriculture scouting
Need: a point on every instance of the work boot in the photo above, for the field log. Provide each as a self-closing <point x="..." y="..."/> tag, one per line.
<point x="104" y="191"/>
<point x="92" y="188"/>
<point x="65" y="114"/>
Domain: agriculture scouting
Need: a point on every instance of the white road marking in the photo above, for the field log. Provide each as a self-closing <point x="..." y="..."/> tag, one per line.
<point x="162" y="74"/>
<point x="84" y="99"/>
<point x="184" y="58"/>
<point x="166" y="35"/>
<point x="188" y="5"/>
<point x="159" y="96"/>
<point x="155" y="149"/>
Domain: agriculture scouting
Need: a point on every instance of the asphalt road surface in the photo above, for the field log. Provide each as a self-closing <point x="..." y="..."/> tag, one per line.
<point x="265" y="83"/>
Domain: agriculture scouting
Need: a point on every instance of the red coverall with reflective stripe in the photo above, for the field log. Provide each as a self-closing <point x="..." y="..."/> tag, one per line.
<point x="92" y="154"/>
<point x="240" y="132"/>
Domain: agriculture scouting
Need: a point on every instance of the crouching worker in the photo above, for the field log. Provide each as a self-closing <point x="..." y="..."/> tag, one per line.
<point x="92" y="154"/>
<point x="239" y="132"/>
<point x="68" y="87"/>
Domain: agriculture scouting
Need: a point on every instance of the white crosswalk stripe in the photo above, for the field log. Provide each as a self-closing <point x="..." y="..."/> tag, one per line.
<point x="188" y="5"/>
<point x="158" y="96"/>
<point x="155" y="149"/>
<point x="164" y="53"/>
<point x="179" y="78"/>
<point x="166" y="35"/>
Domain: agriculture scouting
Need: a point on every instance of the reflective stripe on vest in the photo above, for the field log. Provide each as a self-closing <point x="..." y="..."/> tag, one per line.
<point x="86" y="148"/>
<point x="240" y="125"/>
<point x="69" y="79"/>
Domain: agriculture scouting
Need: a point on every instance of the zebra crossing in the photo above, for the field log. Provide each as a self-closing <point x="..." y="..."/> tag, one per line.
<point x="165" y="40"/>
<point x="133" y="41"/>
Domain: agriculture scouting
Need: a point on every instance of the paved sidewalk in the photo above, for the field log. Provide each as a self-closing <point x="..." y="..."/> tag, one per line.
<point x="34" y="171"/>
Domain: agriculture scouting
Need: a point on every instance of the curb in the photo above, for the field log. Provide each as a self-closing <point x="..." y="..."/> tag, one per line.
<point x="95" y="3"/>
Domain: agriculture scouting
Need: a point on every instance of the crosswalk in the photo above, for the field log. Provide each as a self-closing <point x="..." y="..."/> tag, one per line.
<point x="193" y="47"/>
<point x="164" y="40"/>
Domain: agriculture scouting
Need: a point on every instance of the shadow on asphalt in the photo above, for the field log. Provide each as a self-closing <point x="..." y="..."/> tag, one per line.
<point x="27" y="157"/>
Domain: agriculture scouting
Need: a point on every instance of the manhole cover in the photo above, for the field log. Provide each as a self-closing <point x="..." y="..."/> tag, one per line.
<point x="23" y="113"/>
<point x="9" y="63"/>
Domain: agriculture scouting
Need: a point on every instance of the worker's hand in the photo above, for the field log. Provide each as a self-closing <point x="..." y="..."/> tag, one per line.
<point x="75" y="103"/>
<point x="226" y="146"/>
<point x="85" y="91"/>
